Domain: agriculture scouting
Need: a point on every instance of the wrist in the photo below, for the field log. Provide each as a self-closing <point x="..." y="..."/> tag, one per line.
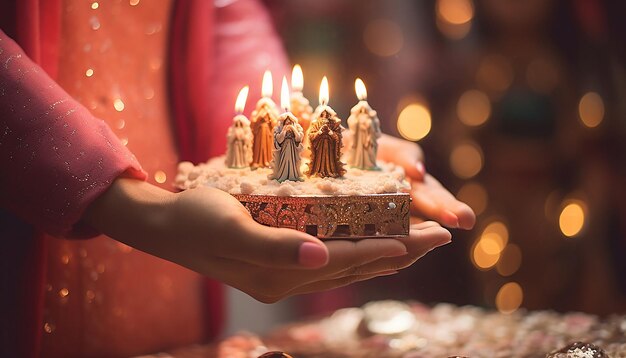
<point x="131" y="211"/>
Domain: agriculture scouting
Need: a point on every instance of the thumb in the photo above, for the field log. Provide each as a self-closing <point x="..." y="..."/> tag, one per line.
<point x="284" y="248"/>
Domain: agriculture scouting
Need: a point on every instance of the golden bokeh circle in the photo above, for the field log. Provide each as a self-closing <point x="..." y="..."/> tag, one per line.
<point x="414" y="122"/>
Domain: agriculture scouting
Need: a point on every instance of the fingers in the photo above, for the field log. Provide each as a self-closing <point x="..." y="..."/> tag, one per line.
<point x="422" y="239"/>
<point x="284" y="248"/>
<point x="349" y="253"/>
<point x="348" y="262"/>
<point x="431" y="199"/>
<point x="404" y="153"/>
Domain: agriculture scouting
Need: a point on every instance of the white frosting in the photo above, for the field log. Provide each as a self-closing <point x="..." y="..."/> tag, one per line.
<point x="390" y="179"/>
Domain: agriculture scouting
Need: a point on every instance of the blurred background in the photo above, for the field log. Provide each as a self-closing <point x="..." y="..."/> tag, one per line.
<point x="519" y="107"/>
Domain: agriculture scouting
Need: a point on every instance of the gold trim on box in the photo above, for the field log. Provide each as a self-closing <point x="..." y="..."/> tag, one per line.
<point x="361" y="216"/>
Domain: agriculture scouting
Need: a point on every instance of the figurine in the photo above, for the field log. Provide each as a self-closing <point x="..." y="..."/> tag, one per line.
<point x="239" y="149"/>
<point x="325" y="140"/>
<point x="288" y="137"/>
<point x="263" y="122"/>
<point x="365" y="129"/>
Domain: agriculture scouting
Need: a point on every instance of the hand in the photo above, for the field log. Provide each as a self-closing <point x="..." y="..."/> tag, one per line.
<point x="430" y="198"/>
<point x="210" y="232"/>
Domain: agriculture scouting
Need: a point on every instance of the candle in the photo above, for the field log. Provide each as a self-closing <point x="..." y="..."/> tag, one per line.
<point x="365" y="130"/>
<point x="239" y="136"/>
<point x="263" y="121"/>
<point x="288" y="136"/>
<point x="325" y="139"/>
<point x="300" y="106"/>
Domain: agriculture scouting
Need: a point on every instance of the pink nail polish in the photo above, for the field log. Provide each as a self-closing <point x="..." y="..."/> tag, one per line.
<point x="420" y="168"/>
<point x="312" y="255"/>
<point x="451" y="219"/>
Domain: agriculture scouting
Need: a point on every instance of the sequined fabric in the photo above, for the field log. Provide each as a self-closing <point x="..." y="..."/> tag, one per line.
<point x="55" y="156"/>
<point x="103" y="298"/>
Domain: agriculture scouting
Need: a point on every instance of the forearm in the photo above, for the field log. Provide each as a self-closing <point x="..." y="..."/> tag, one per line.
<point x="132" y="211"/>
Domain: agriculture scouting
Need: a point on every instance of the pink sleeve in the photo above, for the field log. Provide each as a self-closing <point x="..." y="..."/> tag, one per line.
<point x="55" y="157"/>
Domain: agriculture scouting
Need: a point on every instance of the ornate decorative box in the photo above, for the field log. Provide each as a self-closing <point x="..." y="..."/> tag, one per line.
<point x="344" y="216"/>
<point x="364" y="204"/>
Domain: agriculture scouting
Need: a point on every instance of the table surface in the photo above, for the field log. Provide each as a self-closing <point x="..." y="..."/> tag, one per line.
<point x="412" y="330"/>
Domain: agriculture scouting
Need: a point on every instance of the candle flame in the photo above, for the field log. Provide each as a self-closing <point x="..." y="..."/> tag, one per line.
<point x="267" y="88"/>
<point x="284" y="96"/>
<point x="361" y="92"/>
<point x="240" y="103"/>
<point x="324" y="91"/>
<point x="297" y="79"/>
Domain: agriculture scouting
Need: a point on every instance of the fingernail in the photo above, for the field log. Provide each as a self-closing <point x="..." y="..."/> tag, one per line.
<point x="312" y="255"/>
<point x="420" y="168"/>
<point x="451" y="219"/>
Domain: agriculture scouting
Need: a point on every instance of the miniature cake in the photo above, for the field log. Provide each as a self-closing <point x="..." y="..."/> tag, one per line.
<point x="268" y="170"/>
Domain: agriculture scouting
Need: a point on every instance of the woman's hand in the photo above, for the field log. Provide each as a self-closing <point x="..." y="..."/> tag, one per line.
<point x="210" y="232"/>
<point x="430" y="198"/>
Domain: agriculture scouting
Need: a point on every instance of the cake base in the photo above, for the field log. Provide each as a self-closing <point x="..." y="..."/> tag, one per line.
<point x="329" y="216"/>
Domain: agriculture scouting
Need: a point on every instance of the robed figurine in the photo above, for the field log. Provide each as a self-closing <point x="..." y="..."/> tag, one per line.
<point x="325" y="142"/>
<point x="264" y="119"/>
<point x="288" y="137"/>
<point x="239" y="149"/>
<point x="365" y="130"/>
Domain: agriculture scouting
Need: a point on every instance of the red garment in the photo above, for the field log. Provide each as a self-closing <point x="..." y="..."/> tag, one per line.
<point x="56" y="158"/>
<point x="89" y="156"/>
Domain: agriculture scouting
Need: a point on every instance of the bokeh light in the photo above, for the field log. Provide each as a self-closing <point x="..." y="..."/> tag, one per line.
<point x="455" y="12"/>
<point x="454" y="17"/>
<point x="495" y="73"/>
<point x="383" y="37"/>
<point x="466" y="160"/>
<point x="572" y="218"/>
<point x="473" y="108"/>
<point x="488" y="249"/>
<point x="591" y="109"/>
<point x="64" y="292"/>
<point x="118" y="104"/>
<point x="474" y="195"/>
<point x="510" y="260"/>
<point x="498" y="231"/>
<point x="483" y="254"/>
<point x="414" y="121"/>
<point x="160" y="176"/>
<point x="509" y="297"/>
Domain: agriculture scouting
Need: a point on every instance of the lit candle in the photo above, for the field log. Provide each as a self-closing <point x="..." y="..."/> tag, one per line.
<point x="365" y="130"/>
<point x="288" y="136"/>
<point x="263" y="120"/>
<point x="300" y="106"/>
<point x="325" y="139"/>
<point x="239" y="136"/>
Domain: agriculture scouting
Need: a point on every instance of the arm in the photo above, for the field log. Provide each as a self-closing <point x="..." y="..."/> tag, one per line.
<point x="55" y="157"/>
<point x="210" y="232"/>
